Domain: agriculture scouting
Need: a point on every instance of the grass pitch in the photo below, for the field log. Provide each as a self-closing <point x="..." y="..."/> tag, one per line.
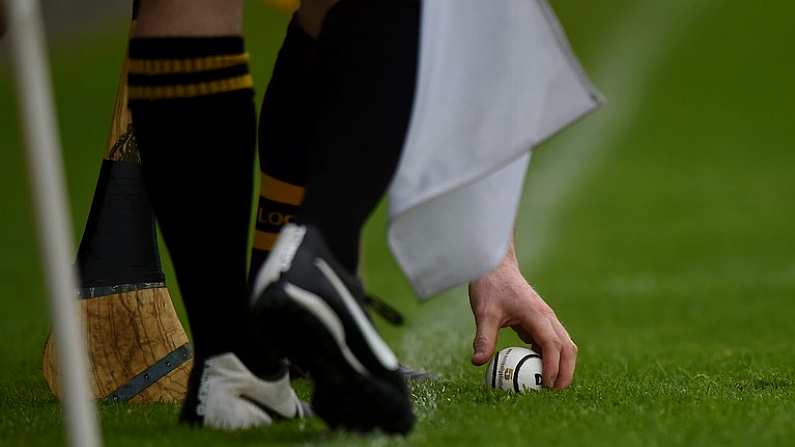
<point x="661" y="230"/>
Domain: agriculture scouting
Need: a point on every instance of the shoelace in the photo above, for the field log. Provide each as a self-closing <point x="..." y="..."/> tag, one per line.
<point x="386" y="311"/>
<point x="393" y="316"/>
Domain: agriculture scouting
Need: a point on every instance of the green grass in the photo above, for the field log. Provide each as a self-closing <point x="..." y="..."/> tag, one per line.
<point x="672" y="264"/>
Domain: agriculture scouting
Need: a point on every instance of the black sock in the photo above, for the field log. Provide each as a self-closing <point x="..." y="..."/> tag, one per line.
<point x="367" y="64"/>
<point x="283" y="152"/>
<point x="194" y="117"/>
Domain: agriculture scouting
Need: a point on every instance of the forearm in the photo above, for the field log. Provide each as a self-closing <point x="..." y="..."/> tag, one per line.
<point x="508" y="266"/>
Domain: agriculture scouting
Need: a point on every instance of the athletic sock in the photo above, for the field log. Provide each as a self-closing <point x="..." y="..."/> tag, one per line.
<point x="367" y="64"/>
<point x="285" y="114"/>
<point x="193" y="111"/>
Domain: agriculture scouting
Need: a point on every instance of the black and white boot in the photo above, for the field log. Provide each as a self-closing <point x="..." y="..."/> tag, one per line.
<point x="223" y="394"/>
<point x="308" y="306"/>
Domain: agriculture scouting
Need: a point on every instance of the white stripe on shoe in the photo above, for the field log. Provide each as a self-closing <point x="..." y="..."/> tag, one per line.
<point x="376" y="343"/>
<point x="326" y="315"/>
<point x="280" y="259"/>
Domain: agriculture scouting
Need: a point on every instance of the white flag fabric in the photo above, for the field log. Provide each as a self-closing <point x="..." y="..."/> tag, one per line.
<point x="495" y="79"/>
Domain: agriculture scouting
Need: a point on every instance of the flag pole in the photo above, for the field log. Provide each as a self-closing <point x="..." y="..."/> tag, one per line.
<point x="54" y="228"/>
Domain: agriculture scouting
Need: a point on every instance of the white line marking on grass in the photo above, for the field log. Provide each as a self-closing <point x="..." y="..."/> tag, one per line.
<point x="623" y="66"/>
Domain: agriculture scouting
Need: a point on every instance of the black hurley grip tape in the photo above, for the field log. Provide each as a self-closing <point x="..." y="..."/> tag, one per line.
<point x="119" y="244"/>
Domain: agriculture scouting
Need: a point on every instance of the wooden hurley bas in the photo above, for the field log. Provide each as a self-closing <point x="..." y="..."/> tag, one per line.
<point x="138" y="350"/>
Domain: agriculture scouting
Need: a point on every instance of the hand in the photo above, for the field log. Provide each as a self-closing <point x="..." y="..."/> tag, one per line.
<point x="503" y="298"/>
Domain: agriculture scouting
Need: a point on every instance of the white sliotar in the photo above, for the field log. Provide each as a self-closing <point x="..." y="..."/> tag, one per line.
<point x="515" y="370"/>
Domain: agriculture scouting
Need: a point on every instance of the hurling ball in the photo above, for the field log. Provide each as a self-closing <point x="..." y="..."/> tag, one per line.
<point x="515" y="370"/>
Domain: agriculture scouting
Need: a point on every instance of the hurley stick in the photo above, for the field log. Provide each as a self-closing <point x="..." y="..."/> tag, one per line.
<point x="138" y="349"/>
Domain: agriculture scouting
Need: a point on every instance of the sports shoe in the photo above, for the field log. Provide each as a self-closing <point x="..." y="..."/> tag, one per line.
<point x="392" y="316"/>
<point x="310" y="308"/>
<point x="224" y="394"/>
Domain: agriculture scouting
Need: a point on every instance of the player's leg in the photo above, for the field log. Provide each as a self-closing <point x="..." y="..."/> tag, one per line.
<point x="286" y="114"/>
<point x="191" y="97"/>
<point x="289" y="109"/>
<point x="283" y="139"/>
<point x="367" y="65"/>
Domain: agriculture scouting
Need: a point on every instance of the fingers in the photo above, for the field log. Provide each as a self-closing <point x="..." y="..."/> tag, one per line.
<point x="546" y="338"/>
<point x="568" y="356"/>
<point x="485" y="338"/>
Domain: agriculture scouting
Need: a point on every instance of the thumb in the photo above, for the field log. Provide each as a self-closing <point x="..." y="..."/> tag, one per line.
<point x="485" y="339"/>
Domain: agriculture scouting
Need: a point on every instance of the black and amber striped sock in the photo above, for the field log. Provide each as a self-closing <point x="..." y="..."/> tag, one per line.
<point x="193" y="111"/>
<point x="283" y="147"/>
<point x="277" y="206"/>
<point x="186" y="67"/>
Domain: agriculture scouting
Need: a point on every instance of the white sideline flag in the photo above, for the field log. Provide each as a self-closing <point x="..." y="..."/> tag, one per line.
<point x="495" y="79"/>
